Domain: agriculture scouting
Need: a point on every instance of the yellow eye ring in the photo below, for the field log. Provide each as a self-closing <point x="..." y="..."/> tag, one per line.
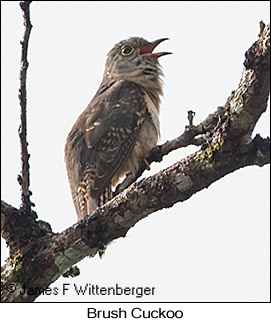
<point x="126" y="50"/>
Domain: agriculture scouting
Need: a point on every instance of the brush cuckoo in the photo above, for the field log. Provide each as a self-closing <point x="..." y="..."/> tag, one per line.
<point x="119" y="127"/>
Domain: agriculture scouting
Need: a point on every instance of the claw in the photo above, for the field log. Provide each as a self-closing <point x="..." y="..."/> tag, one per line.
<point x="147" y="163"/>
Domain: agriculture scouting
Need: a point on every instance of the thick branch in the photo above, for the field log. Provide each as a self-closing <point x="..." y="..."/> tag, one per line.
<point x="229" y="147"/>
<point x="23" y="179"/>
<point x="52" y="256"/>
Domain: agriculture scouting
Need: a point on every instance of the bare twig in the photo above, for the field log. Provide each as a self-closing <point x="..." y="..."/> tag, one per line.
<point x="262" y="26"/>
<point x="24" y="179"/>
<point x="190" y="117"/>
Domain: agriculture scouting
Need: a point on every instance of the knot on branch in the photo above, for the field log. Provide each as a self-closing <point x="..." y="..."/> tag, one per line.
<point x="72" y="272"/>
<point x="262" y="148"/>
<point x="20" y="227"/>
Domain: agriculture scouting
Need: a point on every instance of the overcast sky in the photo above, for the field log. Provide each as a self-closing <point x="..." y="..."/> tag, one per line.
<point x="213" y="247"/>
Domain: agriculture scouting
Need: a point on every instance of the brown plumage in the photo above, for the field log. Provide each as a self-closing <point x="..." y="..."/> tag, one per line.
<point x="118" y="128"/>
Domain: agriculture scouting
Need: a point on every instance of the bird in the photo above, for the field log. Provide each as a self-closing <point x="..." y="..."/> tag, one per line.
<point x="119" y="127"/>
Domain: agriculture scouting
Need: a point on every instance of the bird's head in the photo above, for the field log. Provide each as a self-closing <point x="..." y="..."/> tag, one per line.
<point x="134" y="60"/>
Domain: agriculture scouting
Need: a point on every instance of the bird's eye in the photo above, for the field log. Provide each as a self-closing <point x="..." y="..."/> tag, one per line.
<point x="127" y="50"/>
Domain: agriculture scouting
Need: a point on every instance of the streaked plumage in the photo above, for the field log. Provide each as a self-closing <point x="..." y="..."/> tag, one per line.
<point x="118" y="128"/>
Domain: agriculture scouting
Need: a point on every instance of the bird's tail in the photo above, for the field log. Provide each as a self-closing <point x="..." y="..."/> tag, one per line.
<point x="106" y="196"/>
<point x="88" y="200"/>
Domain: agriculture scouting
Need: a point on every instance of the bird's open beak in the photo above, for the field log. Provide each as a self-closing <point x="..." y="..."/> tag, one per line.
<point x="147" y="50"/>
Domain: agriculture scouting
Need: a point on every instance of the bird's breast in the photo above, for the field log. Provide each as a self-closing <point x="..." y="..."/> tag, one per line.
<point x="147" y="139"/>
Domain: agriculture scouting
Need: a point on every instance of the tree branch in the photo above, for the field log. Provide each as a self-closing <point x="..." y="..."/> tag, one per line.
<point x="40" y="258"/>
<point x="24" y="179"/>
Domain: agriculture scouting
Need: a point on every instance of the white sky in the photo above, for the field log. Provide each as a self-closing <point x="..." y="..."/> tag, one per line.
<point x="213" y="247"/>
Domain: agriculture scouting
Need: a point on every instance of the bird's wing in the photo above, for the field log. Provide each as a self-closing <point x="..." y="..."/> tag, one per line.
<point x="105" y="134"/>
